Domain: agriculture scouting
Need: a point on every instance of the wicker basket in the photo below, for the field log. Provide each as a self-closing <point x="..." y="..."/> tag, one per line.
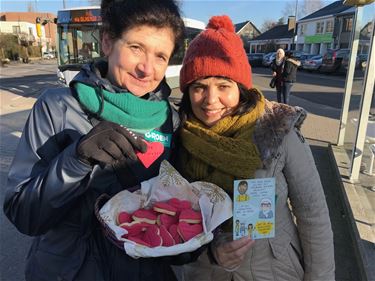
<point x="108" y="232"/>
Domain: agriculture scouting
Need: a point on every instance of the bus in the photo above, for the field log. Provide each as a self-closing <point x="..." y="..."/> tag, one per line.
<point x="79" y="42"/>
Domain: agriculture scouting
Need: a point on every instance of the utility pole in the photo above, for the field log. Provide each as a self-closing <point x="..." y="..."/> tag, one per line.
<point x="294" y="44"/>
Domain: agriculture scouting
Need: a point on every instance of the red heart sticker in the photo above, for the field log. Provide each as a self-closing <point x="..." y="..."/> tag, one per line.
<point x="154" y="150"/>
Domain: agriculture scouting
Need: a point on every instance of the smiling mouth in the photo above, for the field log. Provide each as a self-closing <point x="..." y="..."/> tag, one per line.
<point x="138" y="80"/>
<point x="210" y="112"/>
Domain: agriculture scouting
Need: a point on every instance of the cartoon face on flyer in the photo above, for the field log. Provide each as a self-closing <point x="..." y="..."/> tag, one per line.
<point x="254" y="208"/>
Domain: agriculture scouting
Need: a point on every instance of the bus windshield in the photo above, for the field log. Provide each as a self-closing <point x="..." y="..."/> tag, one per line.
<point x="78" y="36"/>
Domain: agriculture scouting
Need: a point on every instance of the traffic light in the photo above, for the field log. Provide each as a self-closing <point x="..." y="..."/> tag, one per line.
<point x="38" y="27"/>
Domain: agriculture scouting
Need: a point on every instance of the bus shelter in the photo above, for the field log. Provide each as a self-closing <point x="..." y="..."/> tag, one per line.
<point x="354" y="152"/>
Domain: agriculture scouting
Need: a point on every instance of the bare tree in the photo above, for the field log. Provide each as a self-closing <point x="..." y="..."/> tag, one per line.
<point x="290" y="9"/>
<point x="30" y="6"/>
<point x="304" y="7"/>
<point x="310" y="6"/>
<point x="281" y="21"/>
<point x="267" y="25"/>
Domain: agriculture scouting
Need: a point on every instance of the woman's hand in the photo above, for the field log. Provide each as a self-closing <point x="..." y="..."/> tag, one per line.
<point x="109" y="143"/>
<point x="230" y="254"/>
<point x="274" y="74"/>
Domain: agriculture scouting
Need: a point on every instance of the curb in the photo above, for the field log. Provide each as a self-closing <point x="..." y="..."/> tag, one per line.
<point x="358" y="244"/>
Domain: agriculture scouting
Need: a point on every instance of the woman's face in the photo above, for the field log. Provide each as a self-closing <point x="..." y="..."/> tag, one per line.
<point x="213" y="98"/>
<point x="279" y="55"/>
<point x="139" y="59"/>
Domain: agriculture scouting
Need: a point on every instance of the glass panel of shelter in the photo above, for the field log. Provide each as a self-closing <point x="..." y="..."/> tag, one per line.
<point x="356" y="85"/>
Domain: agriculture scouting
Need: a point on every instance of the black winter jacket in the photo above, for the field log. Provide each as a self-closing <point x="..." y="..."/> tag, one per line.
<point x="51" y="194"/>
<point x="290" y="70"/>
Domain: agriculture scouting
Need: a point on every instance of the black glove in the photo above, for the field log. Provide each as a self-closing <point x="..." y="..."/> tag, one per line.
<point x="109" y="143"/>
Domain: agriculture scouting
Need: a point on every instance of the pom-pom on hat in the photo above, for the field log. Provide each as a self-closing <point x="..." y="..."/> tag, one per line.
<point x="216" y="51"/>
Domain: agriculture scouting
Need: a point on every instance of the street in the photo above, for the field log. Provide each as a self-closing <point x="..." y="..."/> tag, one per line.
<point x="20" y="85"/>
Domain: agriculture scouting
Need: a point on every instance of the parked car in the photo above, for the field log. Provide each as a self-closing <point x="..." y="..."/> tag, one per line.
<point x="268" y="58"/>
<point x="332" y="60"/>
<point x="345" y="63"/>
<point x="48" y="55"/>
<point x="363" y="61"/>
<point x="255" y="59"/>
<point x="303" y="57"/>
<point x="296" y="54"/>
<point x="313" y="63"/>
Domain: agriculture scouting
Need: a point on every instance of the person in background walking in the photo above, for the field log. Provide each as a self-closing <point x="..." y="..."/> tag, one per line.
<point x="81" y="142"/>
<point x="289" y="75"/>
<point x="277" y="67"/>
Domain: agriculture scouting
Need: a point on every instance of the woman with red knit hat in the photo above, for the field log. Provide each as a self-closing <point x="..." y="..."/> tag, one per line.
<point x="230" y="132"/>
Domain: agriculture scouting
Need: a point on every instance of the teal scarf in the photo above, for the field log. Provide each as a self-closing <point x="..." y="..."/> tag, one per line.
<point x="132" y="112"/>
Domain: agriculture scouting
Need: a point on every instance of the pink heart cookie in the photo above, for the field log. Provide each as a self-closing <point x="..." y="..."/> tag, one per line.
<point x="167" y="220"/>
<point x="138" y="240"/>
<point x="173" y="231"/>
<point x="134" y="228"/>
<point x="152" y="236"/>
<point x="144" y="215"/>
<point x="179" y="204"/>
<point x="154" y="150"/>
<point x="190" y="216"/>
<point x="166" y="236"/>
<point x="123" y="217"/>
<point x="164" y="208"/>
<point x="188" y="231"/>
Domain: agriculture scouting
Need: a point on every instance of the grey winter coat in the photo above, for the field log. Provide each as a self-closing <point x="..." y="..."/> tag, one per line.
<point x="302" y="248"/>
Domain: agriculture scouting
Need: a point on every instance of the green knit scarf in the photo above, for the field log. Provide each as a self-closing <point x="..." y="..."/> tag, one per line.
<point x="222" y="153"/>
<point x="133" y="112"/>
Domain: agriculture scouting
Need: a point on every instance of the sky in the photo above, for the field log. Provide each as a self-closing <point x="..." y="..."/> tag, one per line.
<point x="257" y="11"/>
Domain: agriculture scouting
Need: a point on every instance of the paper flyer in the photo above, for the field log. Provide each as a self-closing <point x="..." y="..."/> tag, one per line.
<point x="254" y="208"/>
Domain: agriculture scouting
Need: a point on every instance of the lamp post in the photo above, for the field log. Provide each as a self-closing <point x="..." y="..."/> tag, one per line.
<point x="295" y="26"/>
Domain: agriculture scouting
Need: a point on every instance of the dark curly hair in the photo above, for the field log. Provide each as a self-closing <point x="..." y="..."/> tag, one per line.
<point x="118" y="16"/>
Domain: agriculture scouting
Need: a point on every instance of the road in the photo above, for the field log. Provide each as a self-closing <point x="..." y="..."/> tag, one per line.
<point x="21" y="84"/>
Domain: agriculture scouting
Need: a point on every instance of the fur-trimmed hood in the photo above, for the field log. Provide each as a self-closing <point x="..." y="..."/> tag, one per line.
<point x="277" y="121"/>
<point x="295" y="62"/>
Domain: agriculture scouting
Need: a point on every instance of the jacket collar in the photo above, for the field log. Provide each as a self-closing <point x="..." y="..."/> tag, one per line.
<point x="276" y="122"/>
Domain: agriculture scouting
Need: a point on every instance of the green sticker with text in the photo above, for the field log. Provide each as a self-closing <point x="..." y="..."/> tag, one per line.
<point x="165" y="139"/>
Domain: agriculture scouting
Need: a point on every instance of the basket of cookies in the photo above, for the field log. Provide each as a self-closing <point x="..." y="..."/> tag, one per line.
<point x="166" y="216"/>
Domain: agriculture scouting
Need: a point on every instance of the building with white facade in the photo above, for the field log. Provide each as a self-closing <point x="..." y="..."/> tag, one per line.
<point x="24" y="30"/>
<point x="315" y="32"/>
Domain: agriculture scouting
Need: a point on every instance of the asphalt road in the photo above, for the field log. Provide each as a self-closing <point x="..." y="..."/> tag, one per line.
<point x="21" y="84"/>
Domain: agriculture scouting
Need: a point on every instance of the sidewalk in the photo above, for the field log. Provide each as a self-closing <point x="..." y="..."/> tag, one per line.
<point x="351" y="215"/>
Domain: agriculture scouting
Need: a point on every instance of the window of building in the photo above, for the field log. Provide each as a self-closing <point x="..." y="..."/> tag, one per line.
<point x="329" y="26"/>
<point x="348" y="24"/>
<point x="30" y="31"/>
<point x="319" y="27"/>
<point x="302" y="29"/>
<point x="16" y="29"/>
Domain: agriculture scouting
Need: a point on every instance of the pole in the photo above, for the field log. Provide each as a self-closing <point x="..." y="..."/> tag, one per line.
<point x="64" y="5"/>
<point x="295" y="27"/>
<point x="296" y="9"/>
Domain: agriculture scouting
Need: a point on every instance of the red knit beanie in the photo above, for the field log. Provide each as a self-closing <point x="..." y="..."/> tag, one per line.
<point x="216" y="51"/>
